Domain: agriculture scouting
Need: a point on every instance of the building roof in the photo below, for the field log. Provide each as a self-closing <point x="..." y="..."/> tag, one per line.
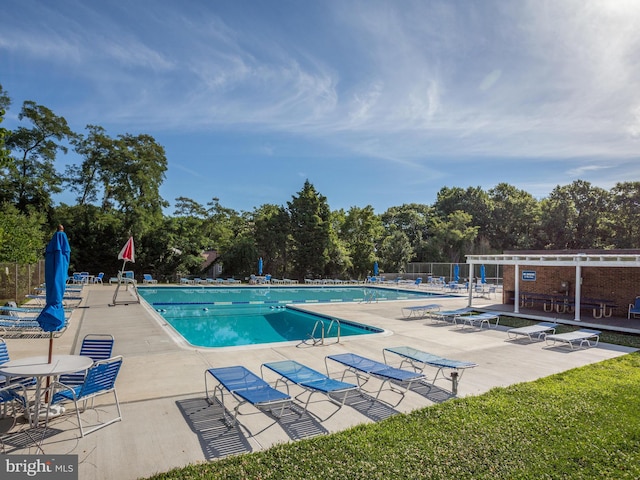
<point x="606" y="258"/>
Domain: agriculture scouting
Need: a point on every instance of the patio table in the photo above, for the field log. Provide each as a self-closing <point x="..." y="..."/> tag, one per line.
<point x="40" y="368"/>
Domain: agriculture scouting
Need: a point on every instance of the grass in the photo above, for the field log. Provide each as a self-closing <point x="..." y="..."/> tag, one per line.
<point x="582" y="424"/>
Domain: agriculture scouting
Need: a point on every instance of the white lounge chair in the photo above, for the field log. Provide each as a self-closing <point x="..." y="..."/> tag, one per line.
<point x="419" y="311"/>
<point x="450" y="315"/>
<point x="477" y="320"/>
<point x="580" y="337"/>
<point x="541" y="329"/>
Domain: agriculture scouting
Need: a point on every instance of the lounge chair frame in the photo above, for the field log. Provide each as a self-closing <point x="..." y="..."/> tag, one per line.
<point x="449" y="316"/>
<point x="477" y="320"/>
<point x="420" y="311"/>
<point x="245" y="387"/>
<point x="540" y="330"/>
<point x="419" y="360"/>
<point x="580" y="337"/>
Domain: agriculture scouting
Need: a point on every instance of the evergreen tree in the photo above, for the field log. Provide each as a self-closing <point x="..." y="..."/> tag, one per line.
<point x="309" y="214"/>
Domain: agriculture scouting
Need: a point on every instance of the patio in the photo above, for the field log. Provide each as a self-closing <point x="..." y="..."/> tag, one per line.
<point x="167" y="422"/>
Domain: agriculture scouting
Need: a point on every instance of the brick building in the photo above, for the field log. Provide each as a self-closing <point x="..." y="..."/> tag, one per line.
<point x="599" y="281"/>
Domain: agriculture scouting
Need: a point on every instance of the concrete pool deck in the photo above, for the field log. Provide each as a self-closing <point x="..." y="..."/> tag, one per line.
<point x="168" y="424"/>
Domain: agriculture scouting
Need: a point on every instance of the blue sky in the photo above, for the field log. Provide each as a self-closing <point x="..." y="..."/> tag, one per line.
<point x="375" y="102"/>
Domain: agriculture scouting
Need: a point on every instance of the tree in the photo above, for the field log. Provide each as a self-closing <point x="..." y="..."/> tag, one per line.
<point x="309" y="214"/>
<point x="413" y="220"/>
<point x="395" y="252"/>
<point x="337" y="251"/>
<point x="93" y="176"/>
<point x="515" y="216"/>
<point x="576" y="216"/>
<point x="94" y="236"/>
<point x="361" y="231"/>
<point x="22" y="237"/>
<point x="5" y="101"/>
<point x="625" y="219"/>
<point x="453" y="237"/>
<point x="271" y="232"/>
<point x="240" y="259"/>
<point x="473" y="201"/>
<point x="31" y="179"/>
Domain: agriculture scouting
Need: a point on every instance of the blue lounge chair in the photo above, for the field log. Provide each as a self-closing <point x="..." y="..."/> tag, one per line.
<point x="419" y="360"/>
<point x="100" y="380"/>
<point x="419" y="311"/>
<point x="580" y="337"/>
<point x="311" y="381"/>
<point x="363" y="368"/>
<point x="148" y="279"/>
<point x="541" y="329"/>
<point x="245" y="387"/>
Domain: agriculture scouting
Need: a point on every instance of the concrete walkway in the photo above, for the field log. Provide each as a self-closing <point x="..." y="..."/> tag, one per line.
<point x="167" y="423"/>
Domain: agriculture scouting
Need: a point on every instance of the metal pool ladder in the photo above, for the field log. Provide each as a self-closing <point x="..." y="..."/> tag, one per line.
<point x="320" y="341"/>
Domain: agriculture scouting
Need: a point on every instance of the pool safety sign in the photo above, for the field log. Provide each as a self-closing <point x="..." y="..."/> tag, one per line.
<point x="51" y="467"/>
<point x="529" y="275"/>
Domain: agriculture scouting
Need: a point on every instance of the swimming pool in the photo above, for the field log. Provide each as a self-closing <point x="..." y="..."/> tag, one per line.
<point x="227" y="316"/>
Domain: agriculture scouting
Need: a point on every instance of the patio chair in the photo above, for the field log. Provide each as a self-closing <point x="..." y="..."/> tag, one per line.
<point x="541" y="329"/>
<point x="310" y="380"/>
<point x="100" y="380"/>
<point x="419" y="360"/>
<point x="245" y="387"/>
<point x="96" y="346"/>
<point x="4" y="358"/>
<point x="14" y="394"/>
<point x="634" y="309"/>
<point x="580" y="337"/>
<point x="99" y="278"/>
<point x="364" y="368"/>
<point x="148" y="279"/>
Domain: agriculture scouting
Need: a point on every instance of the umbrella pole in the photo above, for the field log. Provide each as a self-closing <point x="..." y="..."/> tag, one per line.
<point x="49" y="360"/>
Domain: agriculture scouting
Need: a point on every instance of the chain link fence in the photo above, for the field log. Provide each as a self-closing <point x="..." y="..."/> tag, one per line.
<point x="493" y="273"/>
<point x="17" y="280"/>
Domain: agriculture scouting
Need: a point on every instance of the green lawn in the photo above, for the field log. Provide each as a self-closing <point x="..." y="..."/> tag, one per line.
<point x="583" y="423"/>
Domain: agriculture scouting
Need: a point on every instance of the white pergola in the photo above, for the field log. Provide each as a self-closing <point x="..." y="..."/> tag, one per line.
<point x="576" y="260"/>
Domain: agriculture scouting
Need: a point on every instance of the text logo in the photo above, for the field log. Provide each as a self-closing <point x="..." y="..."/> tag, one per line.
<point x="50" y="467"/>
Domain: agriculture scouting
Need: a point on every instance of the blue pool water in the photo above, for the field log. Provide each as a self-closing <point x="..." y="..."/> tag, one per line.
<point x="227" y="316"/>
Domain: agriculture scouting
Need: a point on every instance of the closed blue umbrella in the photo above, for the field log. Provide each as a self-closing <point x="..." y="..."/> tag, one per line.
<point x="260" y="266"/>
<point x="456" y="272"/>
<point x="483" y="278"/>
<point x="56" y="266"/>
<point x="375" y="268"/>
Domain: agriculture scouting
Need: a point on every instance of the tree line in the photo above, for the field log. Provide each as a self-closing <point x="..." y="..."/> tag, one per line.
<point x="116" y="187"/>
